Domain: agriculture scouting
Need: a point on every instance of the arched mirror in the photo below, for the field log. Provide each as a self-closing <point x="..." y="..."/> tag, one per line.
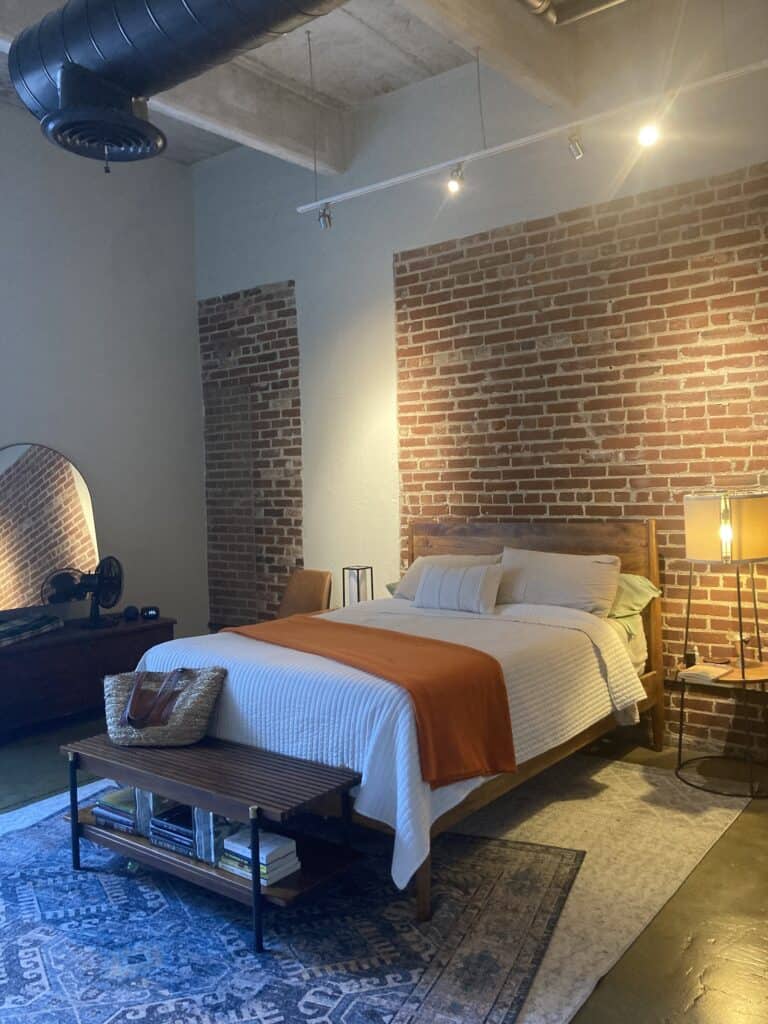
<point x="46" y="522"/>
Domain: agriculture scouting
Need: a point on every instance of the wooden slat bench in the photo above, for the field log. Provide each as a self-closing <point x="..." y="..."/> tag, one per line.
<point x="239" y="782"/>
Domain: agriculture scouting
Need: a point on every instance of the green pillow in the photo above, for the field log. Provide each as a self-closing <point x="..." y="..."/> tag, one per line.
<point x="392" y="587"/>
<point x="633" y="595"/>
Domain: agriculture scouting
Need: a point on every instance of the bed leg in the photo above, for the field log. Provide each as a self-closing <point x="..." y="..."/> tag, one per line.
<point x="657" y="722"/>
<point x="423" y="879"/>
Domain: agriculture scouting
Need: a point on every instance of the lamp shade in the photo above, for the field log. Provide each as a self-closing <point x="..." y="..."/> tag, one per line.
<point x="356" y="584"/>
<point x="749" y="520"/>
<point x="703" y="518"/>
<point x="724" y="527"/>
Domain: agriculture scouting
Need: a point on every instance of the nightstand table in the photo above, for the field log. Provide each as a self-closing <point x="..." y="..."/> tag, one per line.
<point x="754" y="680"/>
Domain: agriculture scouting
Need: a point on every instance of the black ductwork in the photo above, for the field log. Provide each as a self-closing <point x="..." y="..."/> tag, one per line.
<point x="86" y="70"/>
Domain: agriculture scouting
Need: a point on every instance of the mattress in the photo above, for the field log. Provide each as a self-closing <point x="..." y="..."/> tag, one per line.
<point x="564" y="670"/>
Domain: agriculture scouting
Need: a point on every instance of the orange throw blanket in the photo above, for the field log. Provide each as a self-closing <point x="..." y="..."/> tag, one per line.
<point x="458" y="693"/>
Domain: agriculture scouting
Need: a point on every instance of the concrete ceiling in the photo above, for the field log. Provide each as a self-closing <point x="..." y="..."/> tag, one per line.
<point x="364" y="49"/>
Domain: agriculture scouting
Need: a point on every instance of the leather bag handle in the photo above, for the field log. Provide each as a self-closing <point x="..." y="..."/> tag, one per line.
<point x="147" y="707"/>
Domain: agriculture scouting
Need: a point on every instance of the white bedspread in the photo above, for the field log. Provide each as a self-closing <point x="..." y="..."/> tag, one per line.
<point x="564" y="670"/>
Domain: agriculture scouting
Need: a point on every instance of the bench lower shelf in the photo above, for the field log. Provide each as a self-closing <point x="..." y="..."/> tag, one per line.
<point x="320" y="861"/>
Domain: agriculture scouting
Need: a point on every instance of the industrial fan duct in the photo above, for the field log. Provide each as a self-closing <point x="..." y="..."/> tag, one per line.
<point x="86" y="70"/>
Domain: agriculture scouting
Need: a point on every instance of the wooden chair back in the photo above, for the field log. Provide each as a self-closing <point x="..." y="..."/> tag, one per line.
<point x="308" y="590"/>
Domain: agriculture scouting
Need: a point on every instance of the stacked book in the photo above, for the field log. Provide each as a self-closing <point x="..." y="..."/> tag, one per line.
<point x="702" y="673"/>
<point x="116" y="809"/>
<point x="277" y="856"/>
<point x="173" y="829"/>
<point x="148" y="806"/>
<point x="164" y="821"/>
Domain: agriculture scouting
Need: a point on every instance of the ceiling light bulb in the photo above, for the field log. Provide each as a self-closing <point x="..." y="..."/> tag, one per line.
<point x="648" y="135"/>
<point x="456" y="180"/>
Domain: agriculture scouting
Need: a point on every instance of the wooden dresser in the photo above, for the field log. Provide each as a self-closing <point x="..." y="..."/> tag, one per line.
<point x="60" y="673"/>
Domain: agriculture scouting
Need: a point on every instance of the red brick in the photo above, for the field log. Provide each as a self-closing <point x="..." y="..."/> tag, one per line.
<point x="612" y="366"/>
<point x="250" y="357"/>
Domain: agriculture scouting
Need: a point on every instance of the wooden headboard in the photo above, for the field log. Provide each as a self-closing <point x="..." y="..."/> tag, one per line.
<point x="633" y="540"/>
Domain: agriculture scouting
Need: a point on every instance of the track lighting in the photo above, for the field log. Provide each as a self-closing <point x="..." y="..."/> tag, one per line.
<point x="648" y="135"/>
<point x="456" y="180"/>
<point x="325" y="217"/>
<point x="575" y="147"/>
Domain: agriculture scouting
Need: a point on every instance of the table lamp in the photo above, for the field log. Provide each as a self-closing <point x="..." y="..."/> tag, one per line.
<point x="356" y="584"/>
<point x="728" y="529"/>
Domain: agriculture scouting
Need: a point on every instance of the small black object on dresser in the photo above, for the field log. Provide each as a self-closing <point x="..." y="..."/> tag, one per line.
<point x="61" y="673"/>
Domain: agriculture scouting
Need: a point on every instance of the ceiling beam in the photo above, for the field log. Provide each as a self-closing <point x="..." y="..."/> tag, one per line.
<point x="232" y="101"/>
<point x="530" y="53"/>
<point x="238" y="104"/>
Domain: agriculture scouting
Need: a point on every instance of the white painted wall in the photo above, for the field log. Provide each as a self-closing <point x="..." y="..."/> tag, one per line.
<point x="99" y="351"/>
<point x="248" y="233"/>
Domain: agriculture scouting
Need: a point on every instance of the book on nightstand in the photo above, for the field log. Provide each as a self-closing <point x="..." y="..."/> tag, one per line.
<point x="702" y="673"/>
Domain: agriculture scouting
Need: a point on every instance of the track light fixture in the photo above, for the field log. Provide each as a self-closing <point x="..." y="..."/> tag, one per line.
<point x="456" y="180"/>
<point x="648" y="135"/>
<point x="325" y="217"/>
<point x="575" y="147"/>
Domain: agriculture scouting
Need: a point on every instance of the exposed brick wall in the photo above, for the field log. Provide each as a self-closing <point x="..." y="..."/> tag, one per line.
<point x="250" y="365"/>
<point x="42" y="525"/>
<point x="714" y="721"/>
<point x="598" y="363"/>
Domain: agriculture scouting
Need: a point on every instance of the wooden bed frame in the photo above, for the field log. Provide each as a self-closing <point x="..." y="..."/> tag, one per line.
<point x="634" y="541"/>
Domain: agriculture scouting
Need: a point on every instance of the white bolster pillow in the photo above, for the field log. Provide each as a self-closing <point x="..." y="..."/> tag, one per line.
<point x="409" y="584"/>
<point x="472" y="588"/>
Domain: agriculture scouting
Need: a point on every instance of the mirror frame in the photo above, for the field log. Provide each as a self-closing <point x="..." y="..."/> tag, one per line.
<point x="4" y="612"/>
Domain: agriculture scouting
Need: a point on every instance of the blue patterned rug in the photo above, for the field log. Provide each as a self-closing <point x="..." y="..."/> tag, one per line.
<point x="116" y="945"/>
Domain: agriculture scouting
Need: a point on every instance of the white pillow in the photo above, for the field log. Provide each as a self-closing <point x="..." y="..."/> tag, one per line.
<point x="472" y="588"/>
<point x="588" y="582"/>
<point x="409" y="584"/>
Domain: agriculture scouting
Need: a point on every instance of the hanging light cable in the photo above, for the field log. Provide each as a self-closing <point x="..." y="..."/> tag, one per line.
<point x="324" y="216"/>
<point x="455" y="182"/>
<point x="480" y="99"/>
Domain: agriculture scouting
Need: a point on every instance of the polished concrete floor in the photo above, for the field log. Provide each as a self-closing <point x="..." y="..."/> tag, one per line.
<point x="31" y="767"/>
<point x="702" y="960"/>
<point x="704" y="957"/>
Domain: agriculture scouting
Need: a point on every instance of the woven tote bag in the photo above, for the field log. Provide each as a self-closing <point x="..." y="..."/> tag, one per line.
<point x="158" y="709"/>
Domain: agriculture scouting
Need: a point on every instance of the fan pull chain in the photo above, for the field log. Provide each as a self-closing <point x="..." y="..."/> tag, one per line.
<point x="107" y="168"/>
